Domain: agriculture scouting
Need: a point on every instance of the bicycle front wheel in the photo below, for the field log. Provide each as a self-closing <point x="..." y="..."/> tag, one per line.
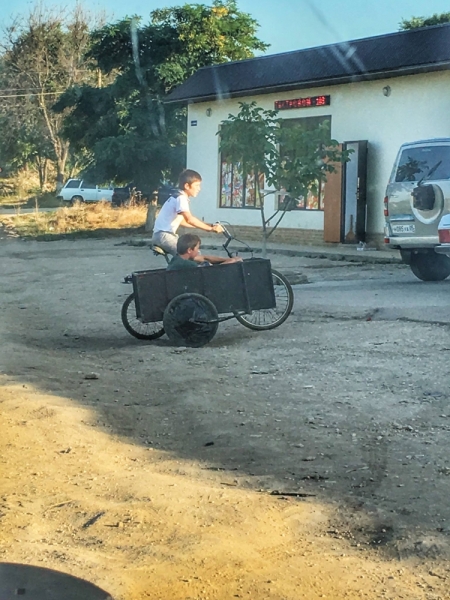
<point x="262" y="320"/>
<point x="138" y="329"/>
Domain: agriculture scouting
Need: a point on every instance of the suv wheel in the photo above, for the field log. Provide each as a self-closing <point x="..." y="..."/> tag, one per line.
<point x="430" y="266"/>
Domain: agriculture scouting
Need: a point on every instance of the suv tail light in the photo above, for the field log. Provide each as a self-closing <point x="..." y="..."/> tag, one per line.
<point x="386" y="207"/>
<point x="444" y="236"/>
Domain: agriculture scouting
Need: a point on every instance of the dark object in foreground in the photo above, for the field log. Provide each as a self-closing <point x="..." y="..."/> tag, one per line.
<point x="37" y="583"/>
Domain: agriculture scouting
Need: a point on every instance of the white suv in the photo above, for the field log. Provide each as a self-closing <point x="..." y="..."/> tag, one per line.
<point x="417" y="196"/>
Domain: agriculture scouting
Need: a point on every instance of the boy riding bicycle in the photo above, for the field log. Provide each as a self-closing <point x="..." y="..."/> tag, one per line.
<point x="176" y="211"/>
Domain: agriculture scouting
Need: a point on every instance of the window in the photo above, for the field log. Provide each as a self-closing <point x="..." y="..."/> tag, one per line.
<point x="237" y="191"/>
<point x="73" y="183"/>
<point x="311" y="201"/>
<point x="424" y="162"/>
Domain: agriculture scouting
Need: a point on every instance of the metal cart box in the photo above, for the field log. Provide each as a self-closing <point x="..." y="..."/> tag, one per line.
<point x="237" y="287"/>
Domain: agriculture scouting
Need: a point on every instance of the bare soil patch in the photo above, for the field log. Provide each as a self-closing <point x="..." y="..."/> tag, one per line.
<point x="160" y="472"/>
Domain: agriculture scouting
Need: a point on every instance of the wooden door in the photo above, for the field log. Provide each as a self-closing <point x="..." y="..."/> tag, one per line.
<point x="332" y="218"/>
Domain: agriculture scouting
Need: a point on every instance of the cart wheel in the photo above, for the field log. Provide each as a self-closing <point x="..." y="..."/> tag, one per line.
<point x="190" y="320"/>
<point x="270" y="318"/>
<point x="140" y="330"/>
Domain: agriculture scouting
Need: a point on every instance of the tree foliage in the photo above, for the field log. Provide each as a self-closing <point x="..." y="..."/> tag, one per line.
<point x="251" y="139"/>
<point x="417" y="22"/>
<point x="129" y="131"/>
<point x="43" y="55"/>
<point x="305" y="159"/>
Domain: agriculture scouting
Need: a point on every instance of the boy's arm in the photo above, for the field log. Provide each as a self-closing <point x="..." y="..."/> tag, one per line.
<point x="217" y="260"/>
<point x="186" y="224"/>
<point x="194" y="222"/>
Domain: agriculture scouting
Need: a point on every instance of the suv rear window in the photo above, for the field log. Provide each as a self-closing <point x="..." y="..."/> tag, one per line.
<point x="417" y="163"/>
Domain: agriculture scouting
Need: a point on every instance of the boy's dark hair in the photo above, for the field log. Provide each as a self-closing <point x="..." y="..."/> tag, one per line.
<point x="188" y="176"/>
<point x="186" y="242"/>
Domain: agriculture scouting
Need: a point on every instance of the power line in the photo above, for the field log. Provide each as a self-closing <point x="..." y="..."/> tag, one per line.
<point x="20" y="89"/>
<point x="32" y="94"/>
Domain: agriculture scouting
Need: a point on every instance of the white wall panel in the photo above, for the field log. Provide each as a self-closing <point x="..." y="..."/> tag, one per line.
<point x="418" y="107"/>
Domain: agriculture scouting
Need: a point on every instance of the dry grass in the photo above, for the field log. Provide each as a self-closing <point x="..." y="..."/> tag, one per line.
<point x="76" y="219"/>
<point x="41" y="200"/>
<point x="22" y="189"/>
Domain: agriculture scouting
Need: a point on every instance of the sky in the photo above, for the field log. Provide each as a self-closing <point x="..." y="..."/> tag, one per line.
<point x="284" y="24"/>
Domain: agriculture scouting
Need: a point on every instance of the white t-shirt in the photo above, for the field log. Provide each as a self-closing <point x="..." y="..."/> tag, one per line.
<point x="169" y="217"/>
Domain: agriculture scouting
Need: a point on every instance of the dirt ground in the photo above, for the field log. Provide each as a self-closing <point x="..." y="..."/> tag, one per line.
<point x="307" y="462"/>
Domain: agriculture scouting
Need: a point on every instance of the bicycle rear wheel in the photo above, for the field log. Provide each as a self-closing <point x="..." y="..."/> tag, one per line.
<point x="138" y="329"/>
<point x="262" y="320"/>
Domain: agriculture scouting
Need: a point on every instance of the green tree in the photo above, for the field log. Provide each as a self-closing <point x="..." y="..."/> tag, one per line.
<point x="416" y="22"/>
<point x="125" y="125"/>
<point x="24" y="143"/>
<point x="43" y="55"/>
<point x="290" y="158"/>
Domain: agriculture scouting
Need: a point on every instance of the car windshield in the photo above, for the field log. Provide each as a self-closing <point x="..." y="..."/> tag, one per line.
<point x="416" y="163"/>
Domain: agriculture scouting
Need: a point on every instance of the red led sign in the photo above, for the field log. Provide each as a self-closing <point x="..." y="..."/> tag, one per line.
<point x="303" y="102"/>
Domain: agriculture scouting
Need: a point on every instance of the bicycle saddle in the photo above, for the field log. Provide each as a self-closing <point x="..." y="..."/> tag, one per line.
<point x="158" y="250"/>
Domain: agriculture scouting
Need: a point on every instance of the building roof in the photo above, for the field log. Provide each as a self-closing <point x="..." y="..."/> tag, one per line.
<point x="402" y="53"/>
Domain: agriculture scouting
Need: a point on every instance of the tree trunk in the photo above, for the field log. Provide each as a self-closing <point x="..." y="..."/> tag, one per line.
<point x="151" y="216"/>
<point x="61" y="165"/>
<point x="263" y="216"/>
<point x="60" y="146"/>
<point x="42" y="171"/>
<point x="45" y="171"/>
<point x="41" y="175"/>
<point x="264" y="245"/>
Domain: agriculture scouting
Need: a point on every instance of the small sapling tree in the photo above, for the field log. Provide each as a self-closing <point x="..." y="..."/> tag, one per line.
<point x="293" y="160"/>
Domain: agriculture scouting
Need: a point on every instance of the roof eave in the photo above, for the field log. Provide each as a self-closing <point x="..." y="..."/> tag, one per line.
<point x="414" y="70"/>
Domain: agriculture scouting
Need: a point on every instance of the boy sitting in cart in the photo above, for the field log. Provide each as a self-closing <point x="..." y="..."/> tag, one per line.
<point x="188" y="255"/>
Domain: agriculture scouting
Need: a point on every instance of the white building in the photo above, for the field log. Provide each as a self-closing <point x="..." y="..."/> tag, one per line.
<point x="377" y="92"/>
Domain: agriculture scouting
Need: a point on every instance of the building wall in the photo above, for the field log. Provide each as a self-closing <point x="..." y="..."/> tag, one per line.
<point x="418" y="107"/>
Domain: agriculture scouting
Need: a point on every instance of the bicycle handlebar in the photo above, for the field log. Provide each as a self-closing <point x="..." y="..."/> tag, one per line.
<point x="226" y="233"/>
<point x="230" y="237"/>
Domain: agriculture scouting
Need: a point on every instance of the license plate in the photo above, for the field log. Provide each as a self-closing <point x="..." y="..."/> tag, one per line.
<point x="409" y="228"/>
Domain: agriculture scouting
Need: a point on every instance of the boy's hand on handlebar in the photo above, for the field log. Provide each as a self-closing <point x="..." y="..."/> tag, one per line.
<point x="217" y="228"/>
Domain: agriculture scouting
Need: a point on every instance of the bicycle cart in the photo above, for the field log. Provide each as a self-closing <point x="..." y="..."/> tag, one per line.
<point x="188" y="305"/>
